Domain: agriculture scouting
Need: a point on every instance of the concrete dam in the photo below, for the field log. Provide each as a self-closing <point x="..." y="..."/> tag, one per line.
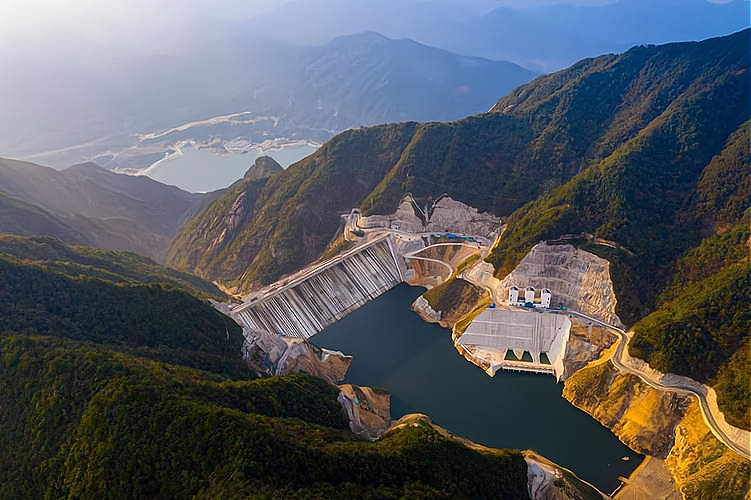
<point x="317" y="296"/>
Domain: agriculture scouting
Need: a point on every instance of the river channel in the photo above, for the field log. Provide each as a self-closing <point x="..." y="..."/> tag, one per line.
<point x="394" y="349"/>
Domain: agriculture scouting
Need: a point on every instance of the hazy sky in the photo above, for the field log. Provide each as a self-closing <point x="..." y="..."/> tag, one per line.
<point x="113" y="29"/>
<point x="94" y="17"/>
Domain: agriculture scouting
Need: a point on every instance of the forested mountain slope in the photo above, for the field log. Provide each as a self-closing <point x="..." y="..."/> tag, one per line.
<point x="150" y="320"/>
<point x="634" y="132"/>
<point x="103" y="208"/>
<point x="121" y="267"/>
<point x="136" y="391"/>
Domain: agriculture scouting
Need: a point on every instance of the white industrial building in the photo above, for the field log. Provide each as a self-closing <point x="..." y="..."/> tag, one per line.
<point x="502" y="337"/>
<point x="530" y="297"/>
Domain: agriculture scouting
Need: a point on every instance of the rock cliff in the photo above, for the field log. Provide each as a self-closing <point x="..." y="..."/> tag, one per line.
<point x="664" y="425"/>
<point x="275" y="355"/>
<point x="577" y="279"/>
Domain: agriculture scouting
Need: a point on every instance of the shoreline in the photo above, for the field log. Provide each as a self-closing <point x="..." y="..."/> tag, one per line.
<point x="263" y="148"/>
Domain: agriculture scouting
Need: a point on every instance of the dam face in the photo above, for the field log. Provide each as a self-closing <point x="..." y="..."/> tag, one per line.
<point x="327" y="294"/>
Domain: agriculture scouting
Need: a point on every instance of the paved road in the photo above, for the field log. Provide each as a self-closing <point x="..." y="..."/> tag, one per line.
<point x="742" y="448"/>
<point x="413" y="255"/>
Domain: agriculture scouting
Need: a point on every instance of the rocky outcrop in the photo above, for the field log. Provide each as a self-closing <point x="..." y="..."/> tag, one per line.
<point x="275" y="355"/>
<point x="263" y="167"/>
<point x="236" y="216"/>
<point x="702" y="466"/>
<point x="427" y="313"/>
<point x="368" y="410"/>
<point x="661" y="424"/>
<point x="577" y="279"/>
<point x="446" y="214"/>
<point x="585" y="344"/>
<point x="642" y="417"/>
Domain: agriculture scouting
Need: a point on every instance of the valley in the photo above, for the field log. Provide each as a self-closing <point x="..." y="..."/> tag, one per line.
<point x="450" y="277"/>
<point x="405" y="249"/>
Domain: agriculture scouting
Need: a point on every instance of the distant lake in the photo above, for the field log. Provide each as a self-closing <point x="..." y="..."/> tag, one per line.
<point x="199" y="170"/>
<point x="416" y="361"/>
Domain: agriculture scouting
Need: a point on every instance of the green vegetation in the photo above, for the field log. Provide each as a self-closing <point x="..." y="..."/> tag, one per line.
<point x="726" y="478"/>
<point x="733" y="386"/>
<point x="117" y="266"/>
<point x="648" y="149"/>
<point x="627" y="147"/>
<point x="127" y="390"/>
<point x="641" y="197"/>
<point x="147" y="320"/>
<point x="710" y="257"/>
<point x="110" y="426"/>
<point x="287" y="220"/>
<point x="702" y="333"/>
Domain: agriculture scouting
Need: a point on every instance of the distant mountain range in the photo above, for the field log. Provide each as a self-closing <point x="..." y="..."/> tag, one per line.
<point x="88" y="204"/>
<point x="545" y="36"/>
<point x="292" y="92"/>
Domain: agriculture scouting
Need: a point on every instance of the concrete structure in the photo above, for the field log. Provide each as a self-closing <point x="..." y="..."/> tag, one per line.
<point x="496" y="333"/>
<point x="577" y="279"/>
<point x="318" y="296"/>
<point x="545" y="298"/>
<point x="529" y="295"/>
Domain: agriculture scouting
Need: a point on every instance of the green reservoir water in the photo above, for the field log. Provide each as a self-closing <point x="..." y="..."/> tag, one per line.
<point x="416" y="361"/>
<point x="200" y="171"/>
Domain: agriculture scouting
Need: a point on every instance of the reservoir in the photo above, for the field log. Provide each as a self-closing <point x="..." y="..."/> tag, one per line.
<point x="200" y="170"/>
<point x="416" y="361"/>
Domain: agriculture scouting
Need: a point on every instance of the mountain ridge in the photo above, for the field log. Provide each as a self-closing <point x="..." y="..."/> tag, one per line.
<point x="294" y="92"/>
<point x="550" y="130"/>
<point x="102" y="208"/>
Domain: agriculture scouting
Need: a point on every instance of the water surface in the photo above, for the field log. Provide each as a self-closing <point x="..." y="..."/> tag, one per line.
<point x="199" y="170"/>
<point x="416" y="361"/>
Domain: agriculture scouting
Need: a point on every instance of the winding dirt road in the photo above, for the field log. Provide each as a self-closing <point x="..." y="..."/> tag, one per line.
<point x="739" y="445"/>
